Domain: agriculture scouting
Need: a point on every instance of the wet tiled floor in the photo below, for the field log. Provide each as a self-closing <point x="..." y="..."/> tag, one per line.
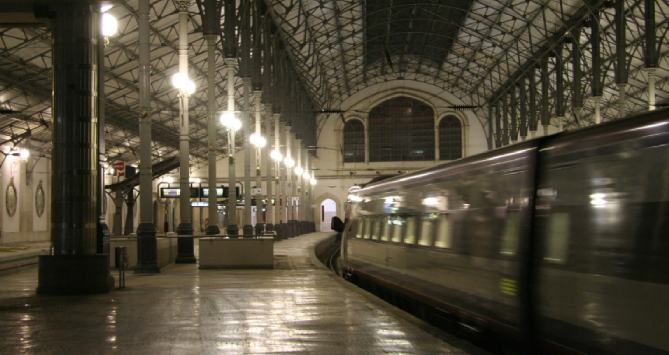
<point x="294" y="309"/>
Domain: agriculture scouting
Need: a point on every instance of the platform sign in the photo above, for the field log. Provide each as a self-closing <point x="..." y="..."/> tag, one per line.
<point x="170" y="192"/>
<point x="119" y="168"/>
<point x="256" y="191"/>
<point x="219" y="192"/>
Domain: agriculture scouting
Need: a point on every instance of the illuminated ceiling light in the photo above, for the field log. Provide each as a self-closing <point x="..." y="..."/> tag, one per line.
<point x="276" y="155"/>
<point x="111" y="171"/>
<point x="229" y="120"/>
<point x="312" y="181"/>
<point x="109" y="25"/>
<point x="299" y="170"/>
<point x="24" y="154"/>
<point x="179" y="80"/>
<point x="169" y="179"/>
<point x="306" y="176"/>
<point x="105" y="8"/>
<point x="257" y="140"/>
<point x="289" y="162"/>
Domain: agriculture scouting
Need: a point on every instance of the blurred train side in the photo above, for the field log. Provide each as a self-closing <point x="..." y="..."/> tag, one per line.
<point x="561" y="242"/>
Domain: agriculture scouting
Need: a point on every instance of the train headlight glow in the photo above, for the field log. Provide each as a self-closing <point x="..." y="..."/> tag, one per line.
<point x="597" y="199"/>
<point x="430" y="201"/>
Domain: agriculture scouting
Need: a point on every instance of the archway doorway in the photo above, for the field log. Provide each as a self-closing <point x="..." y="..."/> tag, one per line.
<point x="328" y="210"/>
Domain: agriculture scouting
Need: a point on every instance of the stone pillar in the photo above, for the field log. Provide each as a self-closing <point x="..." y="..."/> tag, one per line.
<point x="75" y="268"/>
<point x="186" y="253"/>
<point x="147" y="245"/>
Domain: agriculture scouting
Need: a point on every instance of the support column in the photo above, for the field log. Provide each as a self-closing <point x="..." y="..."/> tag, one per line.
<point x="559" y="87"/>
<point x="269" y="226"/>
<point x="246" y="119"/>
<point x="212" y="209"/>
<point x="597" y="88"/>
<point x="545" y="113"/>
<point x="621" y="57"/>
<point x="147" y="244"/>
<point x="277" y="184"/>
<point x="533" y="104"/>
<point x="232" y="228"/>
<point x="186" y="254"/>
<point x="259" y="152"/>
<point x="577" y="87"/>
<point x="103" y="233"/>
<point x="651" y="57"/>
<point x="75" y="268"/>
<point x="297" y="191"/>
<point x="287" y="182"/>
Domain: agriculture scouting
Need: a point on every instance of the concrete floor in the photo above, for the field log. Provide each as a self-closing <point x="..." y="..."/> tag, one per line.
<point x="296" y="308"/>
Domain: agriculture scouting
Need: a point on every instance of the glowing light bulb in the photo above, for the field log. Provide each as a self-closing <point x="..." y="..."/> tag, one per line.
<point x="109" y="25"/>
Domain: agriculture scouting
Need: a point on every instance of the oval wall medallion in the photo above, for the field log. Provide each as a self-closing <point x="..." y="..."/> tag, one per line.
<point x="11" y="198"/>
<point x="40" y="200"/>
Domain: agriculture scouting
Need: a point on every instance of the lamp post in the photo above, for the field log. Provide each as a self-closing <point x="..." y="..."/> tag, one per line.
<point x="233" y="124"/>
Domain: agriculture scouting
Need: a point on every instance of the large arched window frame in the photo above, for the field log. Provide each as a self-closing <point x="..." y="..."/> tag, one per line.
<point x="453" y="149"/>
<point x="401" y="129"/>
<point x="450" y="137"/>
<point x="354" y="141"/>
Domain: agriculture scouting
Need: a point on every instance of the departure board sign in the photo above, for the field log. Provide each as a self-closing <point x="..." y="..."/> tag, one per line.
<point x="170" y="192"/>
<point x="175" y="192"/>
<point x="219" y="192"/>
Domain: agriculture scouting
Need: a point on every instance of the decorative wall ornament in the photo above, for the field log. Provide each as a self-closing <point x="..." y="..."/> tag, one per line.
<point x="40" y="200"/>
<point x="11" y="201"/>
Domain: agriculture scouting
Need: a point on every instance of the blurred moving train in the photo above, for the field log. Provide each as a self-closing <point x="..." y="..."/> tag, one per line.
<point x="556" y="245"/>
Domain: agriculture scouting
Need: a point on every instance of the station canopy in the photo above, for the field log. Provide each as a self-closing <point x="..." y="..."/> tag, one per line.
<point x="470" y="49"/>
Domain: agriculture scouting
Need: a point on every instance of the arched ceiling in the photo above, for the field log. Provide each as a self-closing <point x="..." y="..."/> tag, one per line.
<point x="474" y="49"/>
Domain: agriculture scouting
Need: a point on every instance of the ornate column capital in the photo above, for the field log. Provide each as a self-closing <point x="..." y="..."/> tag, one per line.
<point x="182" y="5"/>
<point x="231" y="62"/>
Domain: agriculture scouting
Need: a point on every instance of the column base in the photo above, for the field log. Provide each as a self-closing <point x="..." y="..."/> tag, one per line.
<point x="260" y="228"/>
<point x="185" y="229"/>
<point x="147" y="250"/>
<point x="213" y="229"/>
<point x="232" y="230"/>
<point x="248" y="230"/>
<point x="185" y="254"/>
<point x="74" y="275"/>
<point x="269" y="227"/>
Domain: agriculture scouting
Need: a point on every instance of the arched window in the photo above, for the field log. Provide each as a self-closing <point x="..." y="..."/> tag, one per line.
<point x="450" y="138"/>
<point x="401" y="129"/>
<point x="354" y="142"/>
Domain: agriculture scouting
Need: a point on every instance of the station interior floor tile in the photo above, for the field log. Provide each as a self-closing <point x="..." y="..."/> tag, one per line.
<point x="296" y="308"/>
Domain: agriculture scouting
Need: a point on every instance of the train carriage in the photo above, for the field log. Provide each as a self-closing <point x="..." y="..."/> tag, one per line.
<point x="555" y="245"/>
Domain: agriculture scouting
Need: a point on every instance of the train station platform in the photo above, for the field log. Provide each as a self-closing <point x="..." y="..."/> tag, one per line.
<point x="297" y="308"/>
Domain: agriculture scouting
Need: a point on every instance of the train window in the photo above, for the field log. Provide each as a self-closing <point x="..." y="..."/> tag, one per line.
<point x="427" y="229"/>
<point x="367" y="232"/>
<point x="398" y="229"/>
<point x="385" y="228"/>
<point x="509" y="244"/>
<point x="361" y="222"/>
<point x="376" y="229"/>
<point x="557" y="241"/>
<point x="444" y="232"/>
<point x="410" y="237"/>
